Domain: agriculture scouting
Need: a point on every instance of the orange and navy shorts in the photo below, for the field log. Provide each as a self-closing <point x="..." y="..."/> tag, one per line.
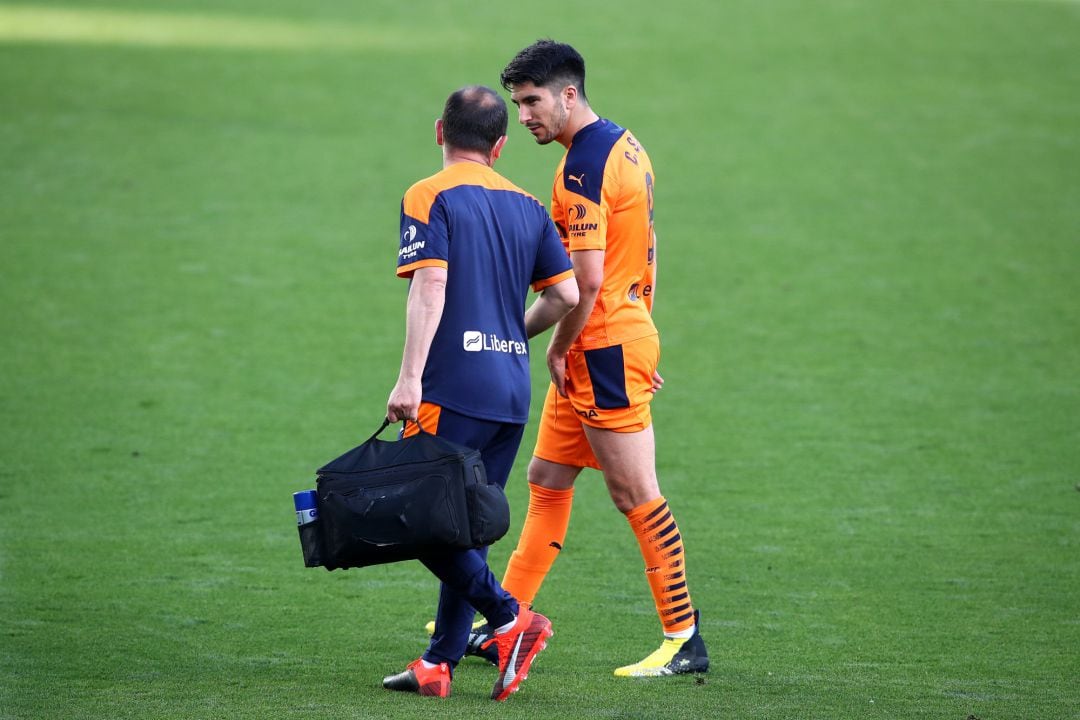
<point x="608" y="388"/>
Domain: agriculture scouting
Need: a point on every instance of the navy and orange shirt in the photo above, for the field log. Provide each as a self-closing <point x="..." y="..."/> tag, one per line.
<point x="494" y="240"/>
<point x="603" y="200"/>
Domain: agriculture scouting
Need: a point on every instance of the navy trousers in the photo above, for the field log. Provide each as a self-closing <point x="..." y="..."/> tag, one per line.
<point x="467" y="584"/>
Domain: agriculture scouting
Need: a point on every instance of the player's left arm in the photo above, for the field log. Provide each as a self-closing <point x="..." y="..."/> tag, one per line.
<point x="655" y="273"/>
<point x="657" y="379"/>
<point x="427" y="296"/>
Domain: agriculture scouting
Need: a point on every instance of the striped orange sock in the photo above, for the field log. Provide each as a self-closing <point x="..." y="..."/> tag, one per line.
<point x="541" y="539"/>
<point x="662" y="549"/>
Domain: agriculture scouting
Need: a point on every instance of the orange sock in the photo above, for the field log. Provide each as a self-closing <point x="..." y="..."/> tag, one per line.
<point x="541" y="540"/>
<point x="662" y="549"/>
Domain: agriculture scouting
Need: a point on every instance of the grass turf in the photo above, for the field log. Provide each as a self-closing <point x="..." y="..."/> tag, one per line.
<point x="869" y="238"/>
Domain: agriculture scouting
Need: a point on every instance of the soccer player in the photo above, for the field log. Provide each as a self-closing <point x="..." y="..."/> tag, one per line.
<point x="603" y="355"/>
<point x="472" y="243"/>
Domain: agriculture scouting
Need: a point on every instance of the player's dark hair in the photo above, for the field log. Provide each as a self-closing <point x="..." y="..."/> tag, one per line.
<point x="546" y="63"/>
<point x="474" y="119"/>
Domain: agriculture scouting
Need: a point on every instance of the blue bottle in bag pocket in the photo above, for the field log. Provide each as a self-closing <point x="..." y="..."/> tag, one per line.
<point x="306" y="502"/>
<point x="307" y="521"/>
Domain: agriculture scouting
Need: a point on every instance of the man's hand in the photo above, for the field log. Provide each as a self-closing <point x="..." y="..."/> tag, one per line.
<point x="404" y="402"/>
<point x="657" y="382"/>
<point x="556" y="363"/>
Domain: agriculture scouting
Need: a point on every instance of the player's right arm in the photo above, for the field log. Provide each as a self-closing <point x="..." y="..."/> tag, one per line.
<point x="589" y="274"/>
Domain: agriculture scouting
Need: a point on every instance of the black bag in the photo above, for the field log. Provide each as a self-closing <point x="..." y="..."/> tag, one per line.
<point x="388" y="501"/>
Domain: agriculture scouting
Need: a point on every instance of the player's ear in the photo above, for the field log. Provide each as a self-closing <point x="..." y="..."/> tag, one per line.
<point x="497" y="150"/>
<point x="570" y="96"/>
<point x="438" y="132"/>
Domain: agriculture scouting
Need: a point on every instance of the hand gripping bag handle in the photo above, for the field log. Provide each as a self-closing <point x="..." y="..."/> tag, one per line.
<point x="386" y="424"/>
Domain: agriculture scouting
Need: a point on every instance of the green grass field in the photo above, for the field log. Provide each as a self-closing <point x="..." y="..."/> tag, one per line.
<point x="869" y="223"/>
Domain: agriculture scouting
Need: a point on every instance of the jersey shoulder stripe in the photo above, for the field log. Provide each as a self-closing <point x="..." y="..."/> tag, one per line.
<point x="421" y="197"/>
<point x="583" y="169"/>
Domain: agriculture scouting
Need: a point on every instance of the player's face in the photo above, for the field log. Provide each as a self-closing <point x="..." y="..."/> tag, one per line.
<point x="540" y="110"/>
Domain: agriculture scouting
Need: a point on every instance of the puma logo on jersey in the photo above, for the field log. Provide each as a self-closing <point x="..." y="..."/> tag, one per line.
<point x="579" y="179"/>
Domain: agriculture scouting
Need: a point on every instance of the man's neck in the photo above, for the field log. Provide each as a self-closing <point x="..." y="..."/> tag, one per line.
<point x="453" y="157"/>
<point x="580" y="116"/>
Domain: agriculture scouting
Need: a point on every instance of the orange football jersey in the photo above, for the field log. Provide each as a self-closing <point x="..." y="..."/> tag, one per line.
<point x="603" y="200"/>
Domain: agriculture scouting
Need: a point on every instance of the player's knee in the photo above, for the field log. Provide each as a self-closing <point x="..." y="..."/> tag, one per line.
<point x="535" y="473"/>
<point x="628" y="496"/>
<point x="551" y="475"/>
<point x="623" y="502"/>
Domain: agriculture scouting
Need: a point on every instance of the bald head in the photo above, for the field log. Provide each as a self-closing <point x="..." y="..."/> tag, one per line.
<point x="474" y="119"/>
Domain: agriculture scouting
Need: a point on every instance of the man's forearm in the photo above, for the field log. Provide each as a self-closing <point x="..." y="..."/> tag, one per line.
<point x="552" y="305"/>
<point x="589" y="274"/>
<point x="426" y="299"/>
<point x="567" y="330"/>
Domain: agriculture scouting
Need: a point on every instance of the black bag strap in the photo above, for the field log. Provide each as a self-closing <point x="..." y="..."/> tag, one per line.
<point x="386" y="424"/>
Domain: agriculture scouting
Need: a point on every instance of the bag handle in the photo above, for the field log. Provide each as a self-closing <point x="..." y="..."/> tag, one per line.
<point x="386" y="424"/>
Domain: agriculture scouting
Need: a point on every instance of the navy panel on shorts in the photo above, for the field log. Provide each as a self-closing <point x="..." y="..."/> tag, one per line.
<point x="608" y="377"/>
